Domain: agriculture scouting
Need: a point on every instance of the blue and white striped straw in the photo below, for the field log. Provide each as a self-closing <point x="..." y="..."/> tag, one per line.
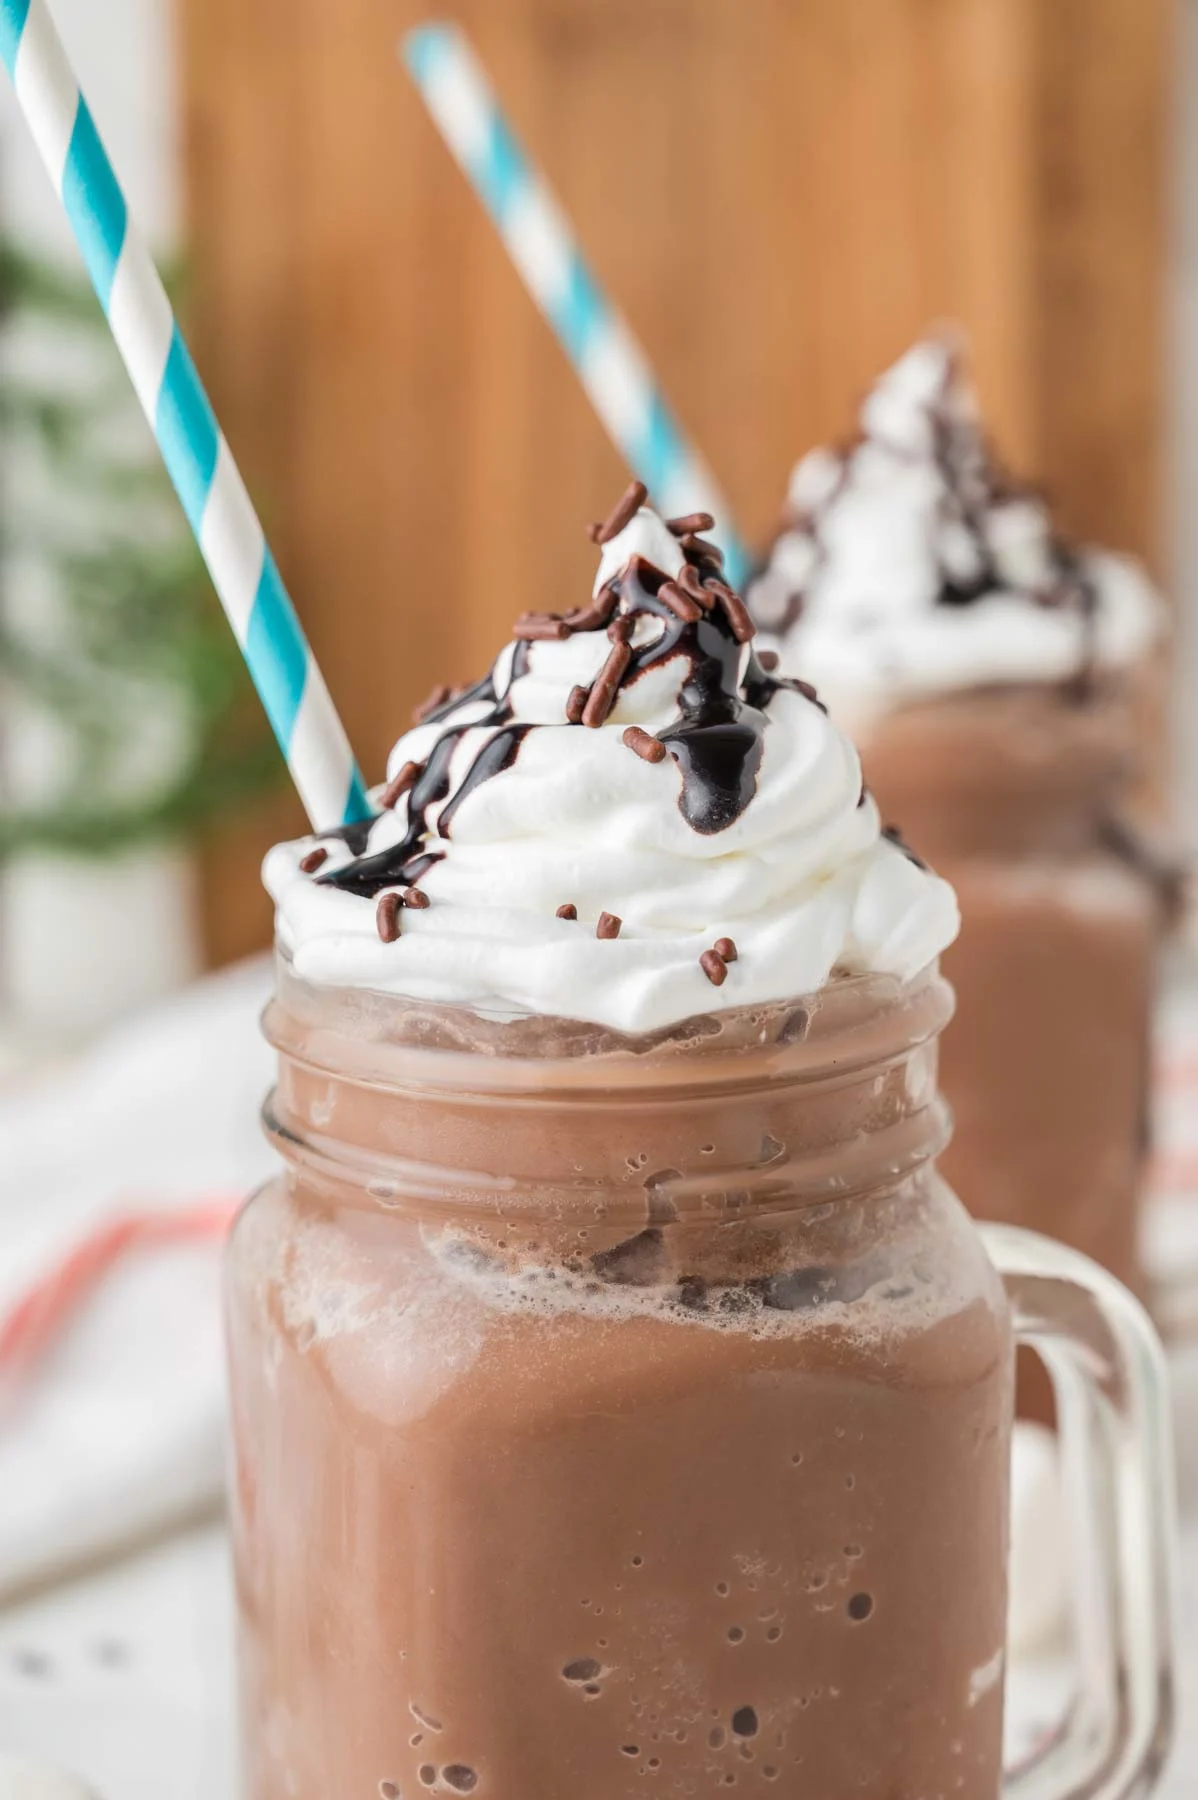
<point x="610" y="363"/>
<point x="193" y="447"/>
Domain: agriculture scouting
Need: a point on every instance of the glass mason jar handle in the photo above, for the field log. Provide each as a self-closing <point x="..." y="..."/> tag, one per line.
<point x="1109" y="1379"/>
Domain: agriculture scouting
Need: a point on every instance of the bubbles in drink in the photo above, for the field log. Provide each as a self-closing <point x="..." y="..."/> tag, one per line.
<point x="722" y="1589"/>
<point x="774" y="1633"/>
<point x="636" y="1277"/>
<point x="860" y="1607"/>
<point x="389" y="1791"/>
<point x="582" y="1669"/>
<point x="428" y="1774"/>
<point x="459" y="1778"/>
<point x="638" y="1262"/>
<point x="736" y="1634"/>
<point x="794" y="1028"/>
<point x="630" y="1749"/>
<point x="424" y="1718"/>
<point x="744" y="1722"/>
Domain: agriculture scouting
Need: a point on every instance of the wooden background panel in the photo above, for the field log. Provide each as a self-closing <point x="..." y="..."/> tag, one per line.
<point x="781" y="193"/>
<point x="1104" y="121"/>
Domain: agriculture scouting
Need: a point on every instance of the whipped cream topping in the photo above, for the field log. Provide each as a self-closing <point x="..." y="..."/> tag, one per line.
<point x="908" y="565"/>
<point x="699" y="821"/>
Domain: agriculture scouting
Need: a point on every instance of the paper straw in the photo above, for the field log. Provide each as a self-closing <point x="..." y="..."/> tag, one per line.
<point x="197" y="457"/>
<point x="610" y="363"/>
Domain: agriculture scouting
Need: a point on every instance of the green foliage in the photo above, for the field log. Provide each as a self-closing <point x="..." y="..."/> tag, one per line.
<point x="133" y="634"/>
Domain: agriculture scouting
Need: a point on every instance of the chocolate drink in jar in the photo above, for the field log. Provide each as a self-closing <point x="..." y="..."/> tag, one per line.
<point x="989" y="673"/>
<point x="621" y="1399"/>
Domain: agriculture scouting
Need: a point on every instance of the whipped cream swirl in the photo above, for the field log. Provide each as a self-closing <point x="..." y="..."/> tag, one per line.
<point x="909" y="565"/>
<point x="701" y="822"/>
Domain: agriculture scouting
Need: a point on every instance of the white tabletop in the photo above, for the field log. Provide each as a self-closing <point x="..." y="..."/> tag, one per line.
<point x="125" y="1676"/>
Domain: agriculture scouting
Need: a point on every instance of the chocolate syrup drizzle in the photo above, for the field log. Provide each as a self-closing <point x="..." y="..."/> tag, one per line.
<point x="403" y="864"/>
<point x="720" y="735"/>
<point x="717" y="740"/>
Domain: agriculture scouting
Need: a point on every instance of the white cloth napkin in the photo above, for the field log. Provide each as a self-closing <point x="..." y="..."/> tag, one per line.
<point x="117" y="1431"/>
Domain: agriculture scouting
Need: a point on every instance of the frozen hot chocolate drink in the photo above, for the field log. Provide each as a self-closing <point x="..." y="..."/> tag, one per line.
<point x="621" y="1400"/>
<point x="986" y="670"/>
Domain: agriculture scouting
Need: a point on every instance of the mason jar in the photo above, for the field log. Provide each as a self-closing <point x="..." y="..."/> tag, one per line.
<point x="626" y="1417"/>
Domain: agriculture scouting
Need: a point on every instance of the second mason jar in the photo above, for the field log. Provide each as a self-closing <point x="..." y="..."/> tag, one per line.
<point x="1015" y="796"/>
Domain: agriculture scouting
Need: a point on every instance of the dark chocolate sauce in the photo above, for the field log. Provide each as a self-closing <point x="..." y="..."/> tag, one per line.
<point x="355" y="837"/>
<point x="717" y="740"/>
<point x="496" y="755"/>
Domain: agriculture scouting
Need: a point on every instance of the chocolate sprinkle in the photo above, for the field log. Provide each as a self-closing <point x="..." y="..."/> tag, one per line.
<point x="679" y="602"/>
<point x="387" y="916"/>
<point x="416" y="898"/>
<point x="624" y="511"/>
<point x="536" y="627"/>
<point x="703" y="550"/>
<point x="714" y="967"/>
<point x="647" y="747"/>
<point x="725" y="948"/>
<point x="690" y="523"/>
<point x="400" y="783"/>
<point x="696" y="587"/>
<point x="576" y="705"/>
<point x="602" y="696"/>
<point x="743" y="628"/>
<point x="596" y="612"/>
<point x="310" y="863"/>
<point x="768" y="660"/>
<point x="440" y="694"/>
<point x="568" y="911"/>
<point x="608" y="926"/>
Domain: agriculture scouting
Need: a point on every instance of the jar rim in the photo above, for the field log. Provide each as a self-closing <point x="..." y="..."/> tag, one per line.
<point x="382" y="1041"/>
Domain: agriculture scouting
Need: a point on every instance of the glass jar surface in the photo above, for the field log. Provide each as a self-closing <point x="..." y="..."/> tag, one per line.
<point x="1013" y="795"/>
<point x="617" y="1419"/>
